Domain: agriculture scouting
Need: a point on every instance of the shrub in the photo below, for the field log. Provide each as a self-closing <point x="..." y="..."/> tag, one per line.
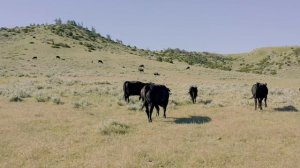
<point x="169" y="60"/>
<point x="90" y="47"/>
<point x="39" y="87"/>
<point x="273" y="72"/>
<point x="56" y="100"/>
<point x="120" y="103"/>
<point x="134" y="107"/>
<point x="58" y="45"/>
<point x="15" y="98"/>
<point x="41" y="97"/>
<point x="82" y="103"/>
<point x="160" y="59"/>
<point x="113" y="127"/>
<point x="22" y="94"/>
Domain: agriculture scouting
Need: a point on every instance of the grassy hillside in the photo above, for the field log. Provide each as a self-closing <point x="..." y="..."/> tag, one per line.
<point x="204" y="59"/>
<point x="70" y="112"/>
<point x="72" y="35"/>
<point x="268" y="60"/>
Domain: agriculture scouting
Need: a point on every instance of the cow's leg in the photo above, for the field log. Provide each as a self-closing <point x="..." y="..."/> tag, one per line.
<point x="147" y="111"/>
<point x="255" y="102"/>
<point x="150" y="112"/>
<point x="260" y="103"/>
<point x="127" y="98"/>
<point x="165" y="109"/>
<point x="266" y="101"/>
<point x="157" y="110"/>
<point x="194" y="98"/>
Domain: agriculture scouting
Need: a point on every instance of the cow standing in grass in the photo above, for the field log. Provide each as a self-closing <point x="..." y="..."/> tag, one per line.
<point x="154" y="96"/>
<point x="193" y="91"/>
<point x="143" y="96"/>
<point x="259" y="92"/>
<point x="132" y="88"/>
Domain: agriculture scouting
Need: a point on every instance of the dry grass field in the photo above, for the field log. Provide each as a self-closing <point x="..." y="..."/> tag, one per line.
<point x="71" y="113"/>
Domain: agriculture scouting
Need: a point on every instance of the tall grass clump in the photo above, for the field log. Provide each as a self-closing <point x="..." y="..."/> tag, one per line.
<point x="113" y="127"/>
<point x="56" y="100"/>
<point x="134" y="107"/>
<point x="15" y="98"/>
<point x="81" y="104"/>
<point x="18" y="95"/>
<point x="41" y="97"/>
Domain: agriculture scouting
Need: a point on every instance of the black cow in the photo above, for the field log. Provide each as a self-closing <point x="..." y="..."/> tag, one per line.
<point x="58" y="57"/>
<point x="193" y="91"/>
<point x="143" y="95"/>
<point x="154" y="96"/>
<point x="35" y="57"/>
<point x="100" y="61"/>
<point x="141" y="69"/>
<point x="259" y="92"/>
<point x="132" y="88"/>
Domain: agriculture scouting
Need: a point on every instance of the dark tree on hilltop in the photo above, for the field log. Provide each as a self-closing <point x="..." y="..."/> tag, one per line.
<point x="58" y="21"/>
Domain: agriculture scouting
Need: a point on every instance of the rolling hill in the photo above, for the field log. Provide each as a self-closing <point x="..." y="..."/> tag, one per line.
<point x="271" y="60"/>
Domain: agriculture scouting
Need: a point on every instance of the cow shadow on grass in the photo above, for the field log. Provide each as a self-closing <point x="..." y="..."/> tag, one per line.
<point x="288" y="108"/>
<point x="192" y="120"/>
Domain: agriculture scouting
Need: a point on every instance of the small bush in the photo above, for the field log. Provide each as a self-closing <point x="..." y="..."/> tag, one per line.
<point x="22" y="94"/>
<point x="5" y="35"/>
<point x="82" y="103"/>
<point x="120" y="103"/>
<point x="58" y="45"/>
<point x="112" y="127"/>
<point x="134" y="107"/>
<point x="41" y="97"/>
<point x="160" y="59"/>
<point x="174" y="104"/>
<point x="273" y="72"/>
<point x="15" y="98"/>
<point x="90" y="46"/>
<point x="169" y="60"/>
<point x="56" y="100"/>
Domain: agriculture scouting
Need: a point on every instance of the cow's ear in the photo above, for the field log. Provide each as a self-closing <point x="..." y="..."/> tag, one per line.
<point x="266" y="84"/>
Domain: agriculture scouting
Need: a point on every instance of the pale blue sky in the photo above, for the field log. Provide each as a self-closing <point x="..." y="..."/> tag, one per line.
<point x="222" y="26"/>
